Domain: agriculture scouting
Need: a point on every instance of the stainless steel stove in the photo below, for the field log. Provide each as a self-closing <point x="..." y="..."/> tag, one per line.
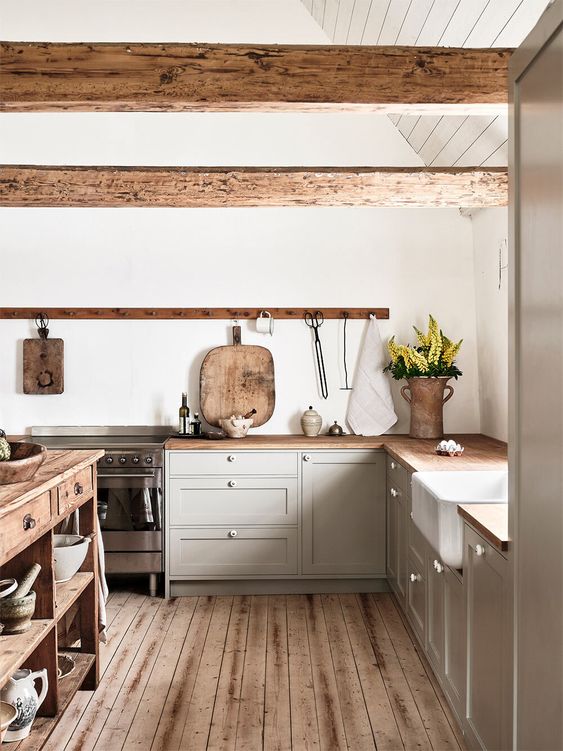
<point x="130" y="491"/>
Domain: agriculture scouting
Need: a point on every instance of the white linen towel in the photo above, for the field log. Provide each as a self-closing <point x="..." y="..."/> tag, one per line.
<point x="371" y="410"/>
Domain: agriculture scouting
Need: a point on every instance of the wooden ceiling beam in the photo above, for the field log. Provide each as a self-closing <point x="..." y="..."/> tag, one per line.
<point x="195" y="77"/>
<point x="228" y="187"/>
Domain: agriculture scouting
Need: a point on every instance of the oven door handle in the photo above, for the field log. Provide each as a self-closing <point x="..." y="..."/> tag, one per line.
<point x="148" y="473"/>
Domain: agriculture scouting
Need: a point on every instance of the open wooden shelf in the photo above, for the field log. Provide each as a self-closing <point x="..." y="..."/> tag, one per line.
<point x="68" y="686"/>
<point x="66" y="593"/>
<point x="16" y="648"/>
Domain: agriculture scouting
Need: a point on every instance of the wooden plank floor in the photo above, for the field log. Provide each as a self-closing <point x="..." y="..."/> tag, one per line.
<point x="255" y="672"/>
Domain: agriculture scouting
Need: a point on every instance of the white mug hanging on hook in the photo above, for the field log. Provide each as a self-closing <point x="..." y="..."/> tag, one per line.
<point x="265" y="323"/>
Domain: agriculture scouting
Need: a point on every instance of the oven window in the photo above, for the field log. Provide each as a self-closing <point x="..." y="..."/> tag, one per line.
<point x="130" y="508"/>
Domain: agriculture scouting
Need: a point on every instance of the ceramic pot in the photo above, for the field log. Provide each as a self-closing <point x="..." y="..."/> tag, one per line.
<point x="16" y="613"/>
<point x="8" y="714"/>
<point x="426" y="397"/>
<point x="20" y="693"/>
<point x="311" y="422"/>
<point x="235" y="427"/>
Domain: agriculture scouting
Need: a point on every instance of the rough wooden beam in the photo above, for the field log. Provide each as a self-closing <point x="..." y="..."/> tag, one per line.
<point x="226" y="187"/>
<point x="175" y="77"/>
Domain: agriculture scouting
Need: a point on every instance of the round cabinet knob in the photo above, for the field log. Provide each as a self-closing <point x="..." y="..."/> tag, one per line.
<point x="393" y="465"/>
<point x="394" y="493"/>
<point x="148" y="460"/>
<point x="28" y="522"/>
<point x="233" y="533"/>
<point x="232" y="483"/>
<point x="135" y="460"/>
<point x="412" y="515"/>
<point x="78" y="488"/>
<point x="479" y="550"/>
<point x="307" y="458"/>
<point x="122" y="460"/>
<point x="109" y="459"/>
<point x="413" y="578"/>
<point x="438" y="567"/>
<point x="231" y="458"/>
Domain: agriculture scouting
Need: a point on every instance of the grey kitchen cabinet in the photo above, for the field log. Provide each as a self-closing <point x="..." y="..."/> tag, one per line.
<point x="435" y="627"/>
<point x="454" y="663"/>
<point x="343" y="514"/>
<point x="488" y="715"/>
<point x="416" y="599"/>
<point x="241" y="551"/>
<point x="396" y="564"/>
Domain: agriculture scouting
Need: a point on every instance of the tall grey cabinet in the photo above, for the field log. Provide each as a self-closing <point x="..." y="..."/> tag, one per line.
<point x="536" y="385"/>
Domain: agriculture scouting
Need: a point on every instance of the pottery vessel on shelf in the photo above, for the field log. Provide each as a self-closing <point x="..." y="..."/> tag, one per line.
<point x="8" y="714"/>
<point x="311" y="422"/>
<point x="20" y="692"/>
<point x="426" y="397"/>
<point x="69" y="552"/>
<point x="16" y="613"/>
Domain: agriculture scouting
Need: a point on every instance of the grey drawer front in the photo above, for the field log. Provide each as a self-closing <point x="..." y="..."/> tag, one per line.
<point x="232" y="463"/>
<point x="223" y="501"/>
<point x="253" y="552"/>
<point x="396" y="474"/>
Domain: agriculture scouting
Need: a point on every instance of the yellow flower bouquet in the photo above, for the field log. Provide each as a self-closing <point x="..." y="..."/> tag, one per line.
<point x="434" y="355"/>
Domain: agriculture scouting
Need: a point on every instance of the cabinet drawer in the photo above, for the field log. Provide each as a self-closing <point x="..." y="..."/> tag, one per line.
<point x="217" y="552"/>
<point x="223" y="501"/>
<point x="24" y="525"/>
<point x="396" y="474"/>
<point x="232" y="463"/>
<point x="73" y="492"/>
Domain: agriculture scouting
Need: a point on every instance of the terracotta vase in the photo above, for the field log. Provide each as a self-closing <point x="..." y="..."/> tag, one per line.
<point x="426" y="397"/>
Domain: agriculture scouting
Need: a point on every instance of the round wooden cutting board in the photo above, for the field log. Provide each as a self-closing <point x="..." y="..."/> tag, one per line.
<point x="236" y="379"/>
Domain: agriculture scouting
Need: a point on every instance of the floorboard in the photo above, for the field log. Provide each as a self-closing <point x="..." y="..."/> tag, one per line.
<point x="277" y="673"/>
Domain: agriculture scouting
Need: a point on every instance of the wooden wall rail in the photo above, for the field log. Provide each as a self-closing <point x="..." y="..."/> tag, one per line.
<point x="187" y="313"/>
<point x="175" y="77"/>
<point x="201" y="187"/>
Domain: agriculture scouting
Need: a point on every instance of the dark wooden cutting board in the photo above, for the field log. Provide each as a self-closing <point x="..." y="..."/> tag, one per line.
<point x="43" y="366"/>
<point x="236" y="379"/>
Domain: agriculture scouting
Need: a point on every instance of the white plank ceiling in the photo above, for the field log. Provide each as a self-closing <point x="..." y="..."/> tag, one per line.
<point x="439" y="141"/>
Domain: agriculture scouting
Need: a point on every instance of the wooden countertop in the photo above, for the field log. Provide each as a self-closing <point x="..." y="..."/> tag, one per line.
<point x="481" y="452"/>
<point x="490" y="520"/>
<point x="57" y="467"/>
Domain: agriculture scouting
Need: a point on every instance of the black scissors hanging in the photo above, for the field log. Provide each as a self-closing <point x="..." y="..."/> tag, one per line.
<point x="314" y="321"/>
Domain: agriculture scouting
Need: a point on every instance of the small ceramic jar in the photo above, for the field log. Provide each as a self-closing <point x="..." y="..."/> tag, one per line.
<point x="311" y="422"/>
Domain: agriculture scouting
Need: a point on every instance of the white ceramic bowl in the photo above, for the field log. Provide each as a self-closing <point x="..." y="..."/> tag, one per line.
<point x="8" y="714"/>
<point x="68" y="557"/>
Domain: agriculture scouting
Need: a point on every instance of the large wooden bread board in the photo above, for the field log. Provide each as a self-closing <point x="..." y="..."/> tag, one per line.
<point x="236" y="379"/>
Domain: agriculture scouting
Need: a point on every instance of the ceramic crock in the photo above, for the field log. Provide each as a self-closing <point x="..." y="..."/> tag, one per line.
<point x="20" y="692"/>
<point x="426" y="397"/>
<point x="311" y="422"/>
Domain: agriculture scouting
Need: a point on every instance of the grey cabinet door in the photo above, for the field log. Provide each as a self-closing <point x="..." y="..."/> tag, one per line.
<point x="435" y="575"/>
<point x="536" y="424"/>
<point x="392" y="538"/>
<point x="487" y="702"/>
<point x="416" y="599"/>
<point x="455" y="649"/>
<point x="344" y="513"/>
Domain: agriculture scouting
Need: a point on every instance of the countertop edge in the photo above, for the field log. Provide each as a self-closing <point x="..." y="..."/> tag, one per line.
<point x="484" y="518"/>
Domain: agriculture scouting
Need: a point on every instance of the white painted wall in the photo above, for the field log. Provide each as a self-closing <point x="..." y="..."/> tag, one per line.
<point x="413" y="261"/>
<point x="490" y="229"/>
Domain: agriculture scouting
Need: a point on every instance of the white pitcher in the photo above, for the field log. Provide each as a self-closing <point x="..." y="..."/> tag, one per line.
<point x="20" y="692"/>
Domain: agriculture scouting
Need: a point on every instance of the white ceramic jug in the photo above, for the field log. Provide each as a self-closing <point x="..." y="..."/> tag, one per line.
<point x="20" y="692"/>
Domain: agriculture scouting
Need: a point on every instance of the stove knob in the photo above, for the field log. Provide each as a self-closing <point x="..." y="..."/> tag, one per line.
<point x="135" y="460"/>
<point x="109" y="459"/>
<point x="148" y="460"/>
<point x="122" y="460"/>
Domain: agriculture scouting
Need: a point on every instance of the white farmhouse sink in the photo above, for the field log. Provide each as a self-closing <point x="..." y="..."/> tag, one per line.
<point x="435" y="497"/>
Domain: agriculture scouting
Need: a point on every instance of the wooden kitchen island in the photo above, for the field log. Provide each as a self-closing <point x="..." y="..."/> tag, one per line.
<point x="29" y="512"/>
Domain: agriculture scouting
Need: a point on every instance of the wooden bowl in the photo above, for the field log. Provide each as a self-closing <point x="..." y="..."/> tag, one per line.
<point x="24" y="462"/>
